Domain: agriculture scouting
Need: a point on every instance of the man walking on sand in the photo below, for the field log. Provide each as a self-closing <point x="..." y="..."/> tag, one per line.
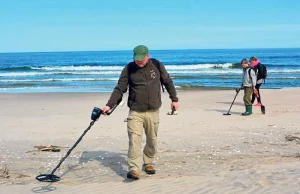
<point x="143" y="76"/>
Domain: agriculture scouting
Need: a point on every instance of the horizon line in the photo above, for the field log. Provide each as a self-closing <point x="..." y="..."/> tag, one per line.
<point x="118" y="50"/>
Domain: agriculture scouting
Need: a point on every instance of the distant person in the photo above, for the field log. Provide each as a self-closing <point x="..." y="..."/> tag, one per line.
<point x="248" y="84"/>
<point x="261" y="75"/>
<point x="144" y="77"/>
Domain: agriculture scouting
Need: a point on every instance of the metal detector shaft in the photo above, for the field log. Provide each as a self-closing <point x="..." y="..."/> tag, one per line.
<point x="80" y="138"/>
<point x="237" y="92"/>
<point x="53" y="178"/>
<point x="70" y="150"/>
<point x="95" y="116"/>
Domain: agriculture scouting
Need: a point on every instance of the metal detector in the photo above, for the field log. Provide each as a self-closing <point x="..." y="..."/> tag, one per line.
<point x="237" y="92"/>
<point x="96" y="113"/>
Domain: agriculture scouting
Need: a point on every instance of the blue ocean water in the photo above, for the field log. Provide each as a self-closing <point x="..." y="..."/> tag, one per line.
<point x="99" y="71"/>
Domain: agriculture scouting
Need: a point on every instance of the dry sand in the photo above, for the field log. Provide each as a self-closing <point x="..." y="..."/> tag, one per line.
<point x="200" y="150"/>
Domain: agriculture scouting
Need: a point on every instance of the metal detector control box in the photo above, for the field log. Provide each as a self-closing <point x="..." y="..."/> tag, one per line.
<point x="96" y="113"/>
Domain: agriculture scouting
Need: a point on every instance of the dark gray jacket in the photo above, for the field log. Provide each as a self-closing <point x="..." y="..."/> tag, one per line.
<point x="144" y="86"/>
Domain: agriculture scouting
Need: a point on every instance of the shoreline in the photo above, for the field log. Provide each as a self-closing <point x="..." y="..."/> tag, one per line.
<point x="187" y="88"/>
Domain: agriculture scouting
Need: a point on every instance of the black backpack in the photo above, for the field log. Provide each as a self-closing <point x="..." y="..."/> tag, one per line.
<point x="155" y="63"/>
<point x="262" y="71"/>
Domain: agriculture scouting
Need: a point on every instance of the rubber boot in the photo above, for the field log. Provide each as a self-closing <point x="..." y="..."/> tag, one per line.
<point x="248" y="111"/>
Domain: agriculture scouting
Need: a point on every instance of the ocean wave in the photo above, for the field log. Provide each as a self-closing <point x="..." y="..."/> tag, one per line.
<point x="288" y="77"/>
<point x="230" y="71"/>
<point x="61" y="80"/>
<point x="95" y="64"/>
<point x="32" y="70"/>
<point x="195" y="87"/>
<point x="116" y="79"/>
<point x="24" y="74"/>
<point x="175" y="71"/>
<point x="215" y="71"/>
<point x="226" y="71"/>
<point x="95" y="67"/>
<point x="198" y="66"/>
<point x="117" y="73"/>
<point x="30" y="88"/>
<point x="78" y="68"/>
<point x="284" y="57"/>
<point x="283" y="71"/>
<point x="23" y="68"/>
<point x="119" y="68"/>
<point x="62" y="68"/>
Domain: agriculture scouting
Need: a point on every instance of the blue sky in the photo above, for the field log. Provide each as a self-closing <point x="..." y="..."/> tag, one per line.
<point x="72" y="25"/>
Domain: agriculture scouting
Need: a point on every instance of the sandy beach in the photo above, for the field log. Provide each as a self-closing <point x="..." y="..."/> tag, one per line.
<point x="200" y="149"/>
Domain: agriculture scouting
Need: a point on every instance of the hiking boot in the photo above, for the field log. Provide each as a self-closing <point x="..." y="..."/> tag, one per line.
<point x="149" y="169"/>
<point x="248" y="111"/>
<point x="133" y="175"/>
<point x="258" y="104"/>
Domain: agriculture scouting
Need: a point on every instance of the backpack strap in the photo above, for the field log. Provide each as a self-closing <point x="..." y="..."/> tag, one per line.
<point x="249" y="72"/>
<point x="157" y="65"/>
<point x="130" y="68"/>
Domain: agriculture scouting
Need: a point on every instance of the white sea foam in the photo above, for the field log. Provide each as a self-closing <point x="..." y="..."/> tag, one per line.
<point x="78" y="68"/>
<point x="107" y="68"/>
<point x="198" y="66"/>
<point x="62" y="80"/>
<point x="23" y="74"/>
<point x="116" y="70"/>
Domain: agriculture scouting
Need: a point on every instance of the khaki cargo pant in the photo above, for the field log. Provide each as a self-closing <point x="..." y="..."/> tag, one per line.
<point x="137" y="123"/>
<point x="247" y="96"/>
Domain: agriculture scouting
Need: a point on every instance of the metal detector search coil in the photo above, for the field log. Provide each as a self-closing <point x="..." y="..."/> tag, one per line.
<point x="48" y="178"/>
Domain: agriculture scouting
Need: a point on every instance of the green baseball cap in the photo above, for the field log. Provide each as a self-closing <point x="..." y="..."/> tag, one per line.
<point x="140" y="52"/>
